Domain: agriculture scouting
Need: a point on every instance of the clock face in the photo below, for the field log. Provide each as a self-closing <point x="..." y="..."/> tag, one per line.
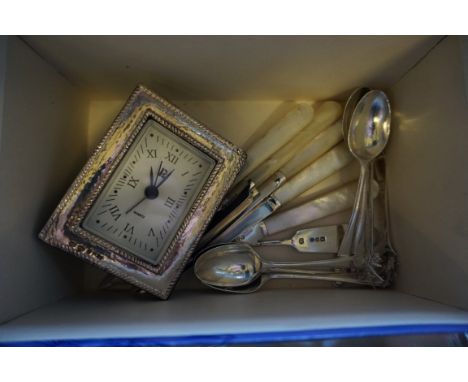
<point x="151" y="191"/>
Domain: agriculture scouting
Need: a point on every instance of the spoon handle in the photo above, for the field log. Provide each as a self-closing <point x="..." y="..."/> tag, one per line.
<point x="358" y="238"/>
<point x="382" y="179"/>
<point x="337" y="262"/>
<point x="311" y="240"/>
<point x="335" y="277"/>
<point x="332" y="277"/>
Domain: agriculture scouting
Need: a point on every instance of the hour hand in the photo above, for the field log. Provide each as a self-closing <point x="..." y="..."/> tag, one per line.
<point x="151" y="176"/>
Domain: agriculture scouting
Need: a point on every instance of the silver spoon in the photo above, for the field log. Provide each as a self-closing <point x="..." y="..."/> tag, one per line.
<point x="349" y="108"/>
<point x="237" y="268"/>
<point x="384" y="228"/>
<point x="368" y="135"/>
<point x="224" y="263"/>
<point x="256" y="284"/>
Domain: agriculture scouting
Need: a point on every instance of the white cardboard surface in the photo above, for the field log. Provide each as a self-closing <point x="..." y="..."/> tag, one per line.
<point x="427" y="177"/>
<point x="3" y="57"/>
<point x="232" y="67"/>
<point x="42" y="147"/>
<point x="205" y="312"/>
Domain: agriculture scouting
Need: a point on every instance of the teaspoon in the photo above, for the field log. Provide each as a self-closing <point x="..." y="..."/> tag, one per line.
<point x="239" y="264"/>
<point x="237" y="268"/>
<point x="368" y="135"/>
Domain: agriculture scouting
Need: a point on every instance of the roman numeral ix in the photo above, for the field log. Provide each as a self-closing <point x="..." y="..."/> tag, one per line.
<point x="132" y="182"/>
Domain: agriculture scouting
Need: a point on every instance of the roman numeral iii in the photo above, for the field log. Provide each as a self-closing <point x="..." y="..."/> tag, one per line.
<point x="169" y="202"/>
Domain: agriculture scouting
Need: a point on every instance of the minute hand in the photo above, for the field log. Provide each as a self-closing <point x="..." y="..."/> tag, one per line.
<point x="164" y="179"/>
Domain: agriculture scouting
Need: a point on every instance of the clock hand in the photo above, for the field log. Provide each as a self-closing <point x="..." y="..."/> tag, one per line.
<point x="151" y="175"/>
<point x="151" y="192"/>
<point x="164" y="179"/>
<point x="157" y="174"/>
<point x="135" y="205"/>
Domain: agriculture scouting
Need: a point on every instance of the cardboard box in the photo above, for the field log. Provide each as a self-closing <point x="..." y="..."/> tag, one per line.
<point x="59" y="95"/>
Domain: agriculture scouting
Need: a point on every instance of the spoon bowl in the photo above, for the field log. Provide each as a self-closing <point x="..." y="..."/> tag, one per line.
<point x="369" y="128"/>
<point x="228" y="265"/>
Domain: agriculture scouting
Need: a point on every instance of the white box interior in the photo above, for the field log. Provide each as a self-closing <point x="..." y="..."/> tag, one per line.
<point x="59" y="95"/>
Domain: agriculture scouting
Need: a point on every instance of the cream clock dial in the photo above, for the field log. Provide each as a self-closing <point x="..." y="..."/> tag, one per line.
<point x="144" y="203"/>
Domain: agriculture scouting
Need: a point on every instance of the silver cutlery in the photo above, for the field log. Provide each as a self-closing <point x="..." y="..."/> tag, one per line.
<point x="368" y="135"/>
<point x="237" y="268"/>
<point x="333" y="160"/>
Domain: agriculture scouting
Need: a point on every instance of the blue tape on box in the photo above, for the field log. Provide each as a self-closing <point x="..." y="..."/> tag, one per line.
<point x="254" y="338"/>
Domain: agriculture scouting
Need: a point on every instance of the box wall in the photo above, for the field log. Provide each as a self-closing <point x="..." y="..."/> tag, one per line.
<point x="427" y="177"/>
<point x="240" y="122"/>
<point x="229" y="68"/>
<point x="43" y="145"/>
<point x="3" y="57"/>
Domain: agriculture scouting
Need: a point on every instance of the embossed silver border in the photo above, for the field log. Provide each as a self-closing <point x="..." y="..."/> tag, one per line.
<point x="63" y="229"/>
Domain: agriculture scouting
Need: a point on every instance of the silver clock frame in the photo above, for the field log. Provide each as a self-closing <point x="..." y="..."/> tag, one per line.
<point x="64" y="228"/>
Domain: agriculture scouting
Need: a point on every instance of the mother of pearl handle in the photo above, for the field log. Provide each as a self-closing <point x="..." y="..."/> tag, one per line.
<point x="327" y="164"/>
<point x="314" y="149"/>
<point x="281" y="133"/>
<point x="303" y="146"/>
<point x="328" y="204"/>
<point x="336" y="180"/>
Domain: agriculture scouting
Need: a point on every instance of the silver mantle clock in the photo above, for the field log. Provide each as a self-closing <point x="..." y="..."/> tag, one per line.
<point x="139" y="206"/>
